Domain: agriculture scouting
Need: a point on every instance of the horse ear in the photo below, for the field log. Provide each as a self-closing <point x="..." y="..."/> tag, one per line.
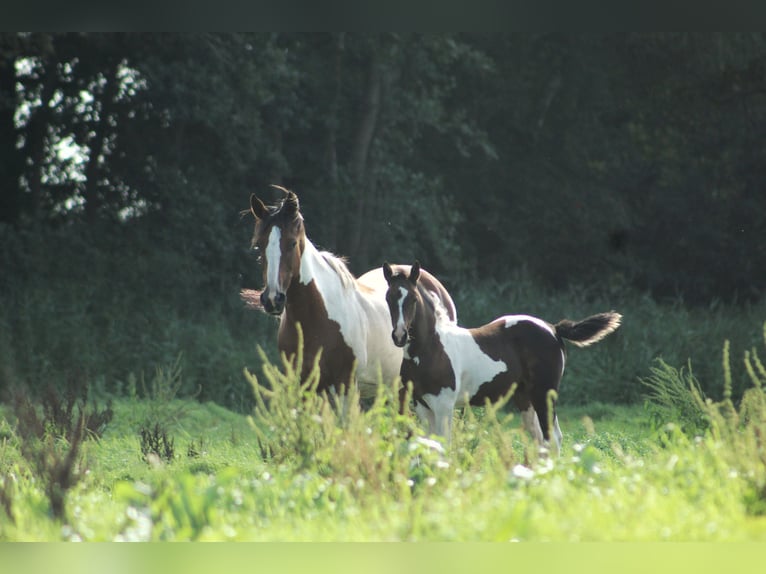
<point x="291" y="205"/>
<point x="388" y="273"/>
<point x="414" y="272"/>
<point x="257" y="208"/>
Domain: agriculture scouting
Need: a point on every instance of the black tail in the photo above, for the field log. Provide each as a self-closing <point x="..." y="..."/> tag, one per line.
<point x="589" y="330"/>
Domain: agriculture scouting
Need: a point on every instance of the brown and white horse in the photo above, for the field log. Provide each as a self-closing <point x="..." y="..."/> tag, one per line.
<point x="450" y="366"/>
<point x="344" y="316"/>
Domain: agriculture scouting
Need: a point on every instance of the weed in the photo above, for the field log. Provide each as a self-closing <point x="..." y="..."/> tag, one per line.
<point x="60" y="467"/>
<point x="62" y="416"/>
<point x="372" y="449"/>
<point x="161" y="392"/>
<point x="675" y="395"/>
<point x="737" y="436"/>
<point x="196" y="449"/>
<point x="51" y="441"/>
<point x="155" y="444"/>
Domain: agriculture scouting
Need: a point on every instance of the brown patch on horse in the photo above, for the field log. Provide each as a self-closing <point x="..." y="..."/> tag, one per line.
<point x="319" y="332"/>
<point x="534" y="363"/>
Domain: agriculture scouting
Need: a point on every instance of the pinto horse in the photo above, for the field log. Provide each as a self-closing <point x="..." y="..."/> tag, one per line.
<point x="344" y="316"/>
<point x="450" y="366"/>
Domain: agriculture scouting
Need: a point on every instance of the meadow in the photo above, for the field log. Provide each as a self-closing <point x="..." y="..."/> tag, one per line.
<point x="162" y="467"/>
<point x="129" y="412"/>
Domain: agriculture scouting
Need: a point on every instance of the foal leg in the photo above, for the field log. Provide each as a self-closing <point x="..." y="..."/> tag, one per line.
<point x="438" y="414"/>
<point x="426" y="416"/>
<point x="532" y="424"/>
<point x="557" y="436"/>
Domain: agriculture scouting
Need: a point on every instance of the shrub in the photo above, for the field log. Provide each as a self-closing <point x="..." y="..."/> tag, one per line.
<point x="675" y="395"/>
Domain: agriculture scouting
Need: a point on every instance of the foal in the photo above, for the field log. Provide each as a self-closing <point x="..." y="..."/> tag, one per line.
<point x="450" y="366"/>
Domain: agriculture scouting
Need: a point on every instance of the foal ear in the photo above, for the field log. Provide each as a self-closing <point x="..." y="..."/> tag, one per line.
<point x="414" y="272"/>
<point x="388" y="273"/>
<point x="257" y="208"/>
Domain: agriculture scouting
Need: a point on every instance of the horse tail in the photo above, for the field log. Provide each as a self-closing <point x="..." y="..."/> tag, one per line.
<point x="590" y="330"/>
<point x="251" y="298"/>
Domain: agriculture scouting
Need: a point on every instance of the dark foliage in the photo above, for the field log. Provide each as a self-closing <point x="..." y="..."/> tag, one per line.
<point x="60" y="416"/>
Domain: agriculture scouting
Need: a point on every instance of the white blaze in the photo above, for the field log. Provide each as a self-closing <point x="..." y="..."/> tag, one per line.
<point x="400" y="329"/>
<point x="273" y="254"/>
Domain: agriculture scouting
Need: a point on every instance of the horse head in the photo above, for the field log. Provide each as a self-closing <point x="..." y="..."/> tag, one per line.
<point x="279" y="238"/>
<point x="402" y="300"/>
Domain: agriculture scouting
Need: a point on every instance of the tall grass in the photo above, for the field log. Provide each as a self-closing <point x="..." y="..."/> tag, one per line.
<point x="373" y="450"/>
<point x="735" y="432"/>
<point x="308" y="467"/>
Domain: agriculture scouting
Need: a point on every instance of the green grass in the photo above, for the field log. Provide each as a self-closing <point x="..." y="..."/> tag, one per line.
<point x="357" y="475"/>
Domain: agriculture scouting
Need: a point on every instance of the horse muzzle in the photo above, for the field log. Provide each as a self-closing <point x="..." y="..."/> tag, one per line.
<point x="400" y="340"/>
<point x="273" y="305"/>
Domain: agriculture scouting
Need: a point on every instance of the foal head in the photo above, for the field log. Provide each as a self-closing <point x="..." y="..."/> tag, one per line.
<point x="279" y="239"/>
<point x="402" y="301"/>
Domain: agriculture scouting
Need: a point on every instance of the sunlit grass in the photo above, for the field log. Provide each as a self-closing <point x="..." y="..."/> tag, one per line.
<point x="309" y="467"/>
<point x="367" y="474"/>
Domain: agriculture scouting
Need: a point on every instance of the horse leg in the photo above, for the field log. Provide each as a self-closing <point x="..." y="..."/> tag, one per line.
<point x="543" y="416"/>
<point x="443" y="418"/>
<point x="532" y="424"/>
<point x="426" y="416"/>
<point x="557" y="436"/>
<point x="441" y="408"/>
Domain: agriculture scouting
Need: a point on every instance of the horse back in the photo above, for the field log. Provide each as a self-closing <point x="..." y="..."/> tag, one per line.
<point x="530" y="350"/>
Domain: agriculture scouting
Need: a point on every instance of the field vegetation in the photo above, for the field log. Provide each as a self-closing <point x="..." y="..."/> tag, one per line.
<point x="551" y="174"/>
<point x="299" y="467"/>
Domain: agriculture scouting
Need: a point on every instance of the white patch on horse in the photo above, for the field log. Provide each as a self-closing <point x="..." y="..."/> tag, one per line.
<point x="531" y="422"/>
<point x="407" y="356"/>
<point x="400" y="330"/>
<point x="557" y="435"/>
<point x="563" y="363"/>
<point x="362" y="316"/>
<point x="273" y="254"/>
<point x="472" y="367"/>
<point x="511" y="320"/>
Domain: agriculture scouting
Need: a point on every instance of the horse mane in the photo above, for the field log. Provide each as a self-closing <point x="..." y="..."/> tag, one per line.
<point x="441" y="315"/>
<point x="338" y="264"/>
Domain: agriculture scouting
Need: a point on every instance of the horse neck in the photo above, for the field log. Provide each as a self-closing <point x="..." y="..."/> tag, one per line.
<point x="315" y="268"/>
<point x="423" y="325"/>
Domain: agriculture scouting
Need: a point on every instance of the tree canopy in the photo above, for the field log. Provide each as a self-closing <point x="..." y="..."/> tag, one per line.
<point x="636" y="157"/>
